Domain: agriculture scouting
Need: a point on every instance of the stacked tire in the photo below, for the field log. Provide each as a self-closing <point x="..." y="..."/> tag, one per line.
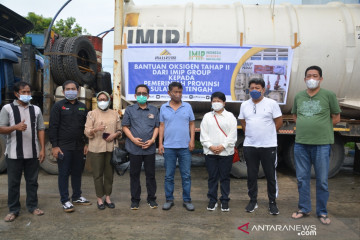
<point x="78" y="63"/>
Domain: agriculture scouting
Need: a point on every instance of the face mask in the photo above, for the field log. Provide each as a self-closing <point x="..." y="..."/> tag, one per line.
<point x="255" y="94"/>
<point x="71" y="94"/>
<point x="103" y="105"/>
<point x="217" y="106"/>
<point x="141" y="99"/>
<point x="312" y="84"/>
<point x="25" y="98"/>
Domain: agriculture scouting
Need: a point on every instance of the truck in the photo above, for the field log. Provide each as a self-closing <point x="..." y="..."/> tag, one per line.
<point x="46" y="65"/>
<point x="326" y="35"/>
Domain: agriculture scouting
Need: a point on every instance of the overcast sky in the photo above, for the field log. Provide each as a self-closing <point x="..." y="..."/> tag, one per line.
<point x="98" y="16"/>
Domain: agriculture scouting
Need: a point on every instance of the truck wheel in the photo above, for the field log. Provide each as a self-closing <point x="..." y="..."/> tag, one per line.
<point x="50" y="163"/>
<point x="103" y="82"/>
<point x="56" y="61"/>
<point x="2" y="153"/>
<point x="337" y="156"/>
<point x="239" y="168"/>
<point x="75" y="68"/>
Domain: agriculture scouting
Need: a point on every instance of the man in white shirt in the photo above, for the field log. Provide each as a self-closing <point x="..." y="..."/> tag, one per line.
<point x="260" y="118"/>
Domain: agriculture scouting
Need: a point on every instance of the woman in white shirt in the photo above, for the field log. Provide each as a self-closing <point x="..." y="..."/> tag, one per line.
<point x="218" y="135"/>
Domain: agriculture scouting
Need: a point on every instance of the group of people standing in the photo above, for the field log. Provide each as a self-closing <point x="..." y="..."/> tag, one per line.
<point x="74" y="133"/>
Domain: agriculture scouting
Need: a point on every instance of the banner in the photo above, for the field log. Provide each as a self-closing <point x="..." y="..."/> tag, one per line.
<point x="203" y="70"/>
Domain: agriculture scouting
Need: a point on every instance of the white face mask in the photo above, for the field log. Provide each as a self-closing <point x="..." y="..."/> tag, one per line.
<point x="312" y="84"/>
<point x="217" y="106"/>
<point x="103" y="105"/>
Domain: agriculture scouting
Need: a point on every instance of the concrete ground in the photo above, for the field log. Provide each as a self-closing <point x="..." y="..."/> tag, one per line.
<point x="87" y="222"/>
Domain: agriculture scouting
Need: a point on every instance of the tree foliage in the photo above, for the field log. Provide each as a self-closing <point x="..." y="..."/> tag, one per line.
<point x="65" y="28"/>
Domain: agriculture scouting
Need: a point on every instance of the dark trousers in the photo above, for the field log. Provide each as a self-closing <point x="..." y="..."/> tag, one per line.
<point x="72" y="164"/>
<point x="135" y="170"/>
<point x="14" y="171"/>
<point x="218" y="168"/>
<point x="268" y="158"/>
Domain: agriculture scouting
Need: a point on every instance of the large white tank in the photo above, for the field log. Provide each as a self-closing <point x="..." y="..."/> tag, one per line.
<point x="329" y="36"/>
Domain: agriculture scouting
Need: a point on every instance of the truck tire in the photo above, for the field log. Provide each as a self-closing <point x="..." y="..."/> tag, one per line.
<point x="239" y="168"/>
<point x="56" y="61"/>
<point x="82" y="47"/>
<point x="50" y="163"/>
<point x="103" y="82"/>
<point x="337" y="156"/>
<point x="2" y="153"/>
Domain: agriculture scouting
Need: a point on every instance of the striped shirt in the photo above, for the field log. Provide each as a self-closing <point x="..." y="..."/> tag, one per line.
<point x="25" y="144"/>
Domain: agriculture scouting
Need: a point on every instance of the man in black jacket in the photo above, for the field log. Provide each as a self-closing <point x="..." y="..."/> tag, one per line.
<point x="66" y="132"/>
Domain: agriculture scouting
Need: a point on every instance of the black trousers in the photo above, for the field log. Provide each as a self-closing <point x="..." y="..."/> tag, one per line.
<point x="15" y="168"/>
<point x="135" y="170"/>
<point x="268" y="158"/>
<point x="218" y="168"/>
<point x="71" y="165"/>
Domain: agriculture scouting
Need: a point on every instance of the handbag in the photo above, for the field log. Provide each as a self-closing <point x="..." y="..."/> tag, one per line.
<point x="236" y="151"/>
<point x="120" y="159"/>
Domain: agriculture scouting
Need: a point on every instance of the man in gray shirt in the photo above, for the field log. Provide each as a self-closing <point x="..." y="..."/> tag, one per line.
<point x="24" y="126"/>
<point x="141" y="126"/>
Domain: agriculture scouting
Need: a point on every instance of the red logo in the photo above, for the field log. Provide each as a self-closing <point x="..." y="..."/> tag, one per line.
<point x="63" y="108"/>
<point x="245" y="225"/>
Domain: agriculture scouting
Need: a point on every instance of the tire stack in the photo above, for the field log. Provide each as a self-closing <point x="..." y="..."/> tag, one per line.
<point x="82" y="69"/>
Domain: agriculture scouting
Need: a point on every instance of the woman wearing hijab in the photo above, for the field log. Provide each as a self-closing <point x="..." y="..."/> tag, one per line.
<point x="102" y="127"/>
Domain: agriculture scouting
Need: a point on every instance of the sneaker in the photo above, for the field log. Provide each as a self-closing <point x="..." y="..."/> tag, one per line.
<point x="134" y="206"/>
<point x="81" y="201"/>
<point x="168" y="205"/>
<point x="273" y="209"/>
<point x="251" y="206"/>
<point x="153" y="204"/>
<point x="212" y="206"/>
<point x="225" y="207"/>
<point x="189" y="206"/>
<point x="68" y="207"/>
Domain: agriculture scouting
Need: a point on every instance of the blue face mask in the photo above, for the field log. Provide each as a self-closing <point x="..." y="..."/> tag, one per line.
<point x="255" y="94"/>
<point x="25" y="98"/>
<point x="71" y="94"/>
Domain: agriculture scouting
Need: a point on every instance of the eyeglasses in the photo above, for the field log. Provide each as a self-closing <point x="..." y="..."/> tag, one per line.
<point x="254" y="108"/>
<point x="142" y="93"/>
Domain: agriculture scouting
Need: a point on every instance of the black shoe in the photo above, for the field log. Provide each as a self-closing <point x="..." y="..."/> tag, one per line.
<point x="251" y="206"/>
<point x="134" y="206"/>
<point x="100" y="206"/>
<point x="109" y="205"/>
<point x="225" y="207"/>
<point x="153" y="204"/>
<point x="273" y="209"/>
<point x="212" y="206"/>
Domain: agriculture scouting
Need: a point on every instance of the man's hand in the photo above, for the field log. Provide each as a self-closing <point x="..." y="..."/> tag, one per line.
<point x="147" y="144"/>
<point x="138" y="142"/>
<point x="191" y="145"/>
<point x="21" y="126"/>
<point x="161" y="149"/>
<point x="217" y="149"/>
<point x="86" y="149"/>
<point x="42" y="156"/>
<point x="55" y="152"/>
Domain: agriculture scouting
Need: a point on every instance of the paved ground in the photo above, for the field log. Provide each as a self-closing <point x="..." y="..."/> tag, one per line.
<point x="122" y="223"/>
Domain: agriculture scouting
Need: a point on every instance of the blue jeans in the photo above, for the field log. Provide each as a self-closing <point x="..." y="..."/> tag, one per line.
<point x="319" y="156"/>
<point x="184" y="157"/>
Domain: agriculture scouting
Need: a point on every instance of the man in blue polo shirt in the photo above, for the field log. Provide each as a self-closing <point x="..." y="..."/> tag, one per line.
<point x="176" y="140"/>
